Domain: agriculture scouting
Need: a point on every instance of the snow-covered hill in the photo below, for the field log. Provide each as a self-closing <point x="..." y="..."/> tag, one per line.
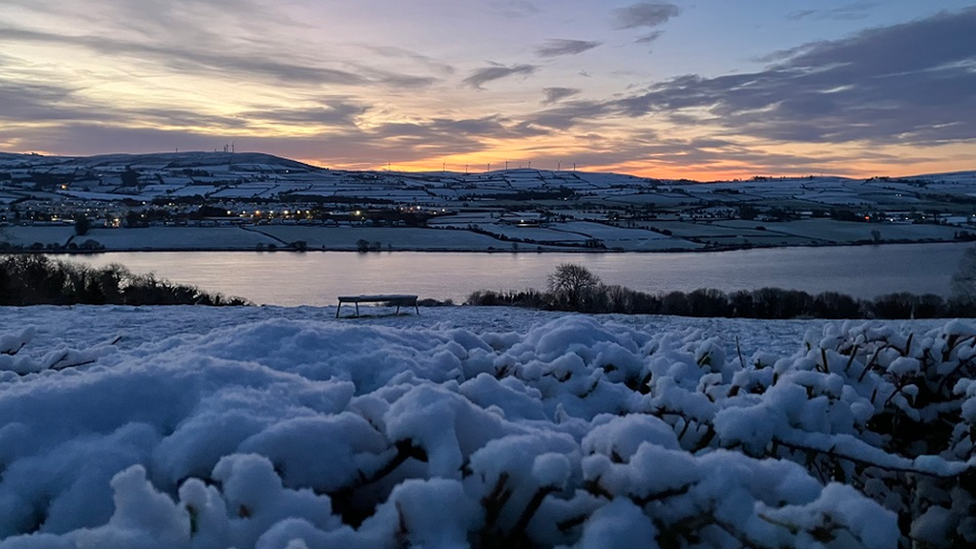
<point x="469" y="427"/>
<point x="511" y="209"/>
<point x="223" y="175"/>
<point x="241" y="176"/>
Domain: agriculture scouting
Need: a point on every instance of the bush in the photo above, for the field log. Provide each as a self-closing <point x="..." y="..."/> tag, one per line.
<point x="31" y="279"/>
<point x="429" y="302"/>
<point x="574" y="288"/>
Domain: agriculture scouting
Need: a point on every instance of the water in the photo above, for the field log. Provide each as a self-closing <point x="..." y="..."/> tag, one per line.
<point x="316" y="278"/>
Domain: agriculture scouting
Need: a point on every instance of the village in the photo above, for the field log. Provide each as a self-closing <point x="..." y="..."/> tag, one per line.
<point x="262" y="202"/>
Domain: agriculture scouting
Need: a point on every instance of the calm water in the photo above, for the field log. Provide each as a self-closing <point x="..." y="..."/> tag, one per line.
<point x="316" y="278"/>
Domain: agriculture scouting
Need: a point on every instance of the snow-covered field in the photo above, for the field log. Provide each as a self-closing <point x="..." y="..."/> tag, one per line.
<point x="401" y="238"/>
<point x="179" y="238"/>
<point x="486" y="427"/>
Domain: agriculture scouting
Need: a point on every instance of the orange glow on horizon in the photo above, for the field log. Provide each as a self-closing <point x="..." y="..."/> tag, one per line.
<point x="648" y="170"/>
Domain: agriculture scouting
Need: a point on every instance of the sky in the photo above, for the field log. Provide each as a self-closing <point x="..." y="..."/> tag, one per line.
<point x="698" y="89"/>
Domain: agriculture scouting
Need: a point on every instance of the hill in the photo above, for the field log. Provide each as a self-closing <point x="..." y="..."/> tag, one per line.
<point x="513" y="209"/>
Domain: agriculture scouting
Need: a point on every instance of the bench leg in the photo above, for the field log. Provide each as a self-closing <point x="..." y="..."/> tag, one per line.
<point x="416" y="308"/>
<point x="397" y="311"/>
<point x="339" y="308"/>
<point x="357" y="309"/>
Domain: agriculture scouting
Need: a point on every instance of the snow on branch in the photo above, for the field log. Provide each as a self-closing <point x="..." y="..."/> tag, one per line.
<point x="577" y="433"/>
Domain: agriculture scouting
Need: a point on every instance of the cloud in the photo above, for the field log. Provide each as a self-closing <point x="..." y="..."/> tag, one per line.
<point x="849" y="12"/>
<point x="554" y="95"/>
<point x="28" y="102"/>
<point x="514" y="9"/>
<point x="558" y="47"/>
<point x="398" y="80"/>
<point x="568" y="114"/>
<point x="482" y="76"/>
<point x="395" y="52"/>
<point x="332" y="113"/>
<point x="651" y="151"/>
<point x="650" y="37"/>
<point x="213" y="25"/>
<point x="878" y="86"/>
<point x="228" y="39"/>
<point x="444" y="130"/>
<point x="352" y="147"/>
<point x="215" y="63"/>
<point x="646" y="14"/>
<point x="193" y="59"/>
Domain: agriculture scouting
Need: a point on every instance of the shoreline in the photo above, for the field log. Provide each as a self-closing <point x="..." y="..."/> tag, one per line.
<point x="443" y="250"/>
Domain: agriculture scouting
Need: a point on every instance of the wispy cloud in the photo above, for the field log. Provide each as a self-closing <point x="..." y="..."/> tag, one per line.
<point x="566" y="115"/>
<point x="557" y="47"/>
<point x="336" y="113"/>
<point x="554" y="95"/>
<point x="25" y="101"/>
<point x="480" y="77"/>
<point x="403" y="53"/>
<point x="849" y="12"/>
<point x="646" y="14"/>
<point x="513" y="9"/>
<point x="192" y="59"/>
<point x="650" y="37"/>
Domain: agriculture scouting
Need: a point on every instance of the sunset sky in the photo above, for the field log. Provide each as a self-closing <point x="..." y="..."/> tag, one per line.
<point x="704" y="89"/>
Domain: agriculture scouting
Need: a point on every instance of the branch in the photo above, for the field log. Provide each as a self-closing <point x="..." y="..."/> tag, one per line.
<point x="833" y="453"/>
<point x="12" y="352"/>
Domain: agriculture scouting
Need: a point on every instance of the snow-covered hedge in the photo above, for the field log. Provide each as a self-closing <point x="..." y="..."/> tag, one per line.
<point x="579" y="433"/>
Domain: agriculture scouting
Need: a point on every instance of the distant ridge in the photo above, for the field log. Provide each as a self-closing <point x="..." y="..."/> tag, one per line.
<point x="188" y="159"/>
<point x="201" y="159"/>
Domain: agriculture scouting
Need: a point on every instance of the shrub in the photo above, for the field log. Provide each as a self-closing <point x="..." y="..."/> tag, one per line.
<point x="32" y="279"/>
<point x="573" y="288"/>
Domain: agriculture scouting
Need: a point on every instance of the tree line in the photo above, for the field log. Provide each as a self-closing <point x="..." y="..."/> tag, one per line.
<point x="33" y="279"/>
<point x="572" y="287"/>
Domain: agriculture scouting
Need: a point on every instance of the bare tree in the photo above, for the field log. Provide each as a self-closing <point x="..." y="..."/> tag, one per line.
<point x="571" y="283"/>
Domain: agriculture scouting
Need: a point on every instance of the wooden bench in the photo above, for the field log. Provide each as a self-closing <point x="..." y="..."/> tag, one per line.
<point x="397" y="300"/>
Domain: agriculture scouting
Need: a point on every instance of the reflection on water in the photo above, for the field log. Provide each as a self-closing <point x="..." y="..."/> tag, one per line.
<point x="316" y="278"/>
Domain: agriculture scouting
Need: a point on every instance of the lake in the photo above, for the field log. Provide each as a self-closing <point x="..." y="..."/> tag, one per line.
<point x="316" y="278"/>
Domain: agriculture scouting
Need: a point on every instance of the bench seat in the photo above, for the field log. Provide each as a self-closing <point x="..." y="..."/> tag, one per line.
<point x="397" y="300"/>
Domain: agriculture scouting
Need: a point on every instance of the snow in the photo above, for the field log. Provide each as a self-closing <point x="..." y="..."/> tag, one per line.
<point x="400" y="238"/>
<point x="287" y="428"/>
<point x="183" y="238"/>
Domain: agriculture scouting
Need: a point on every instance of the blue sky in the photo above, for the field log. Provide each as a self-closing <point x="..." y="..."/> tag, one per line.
<point x="699" y="89"/>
